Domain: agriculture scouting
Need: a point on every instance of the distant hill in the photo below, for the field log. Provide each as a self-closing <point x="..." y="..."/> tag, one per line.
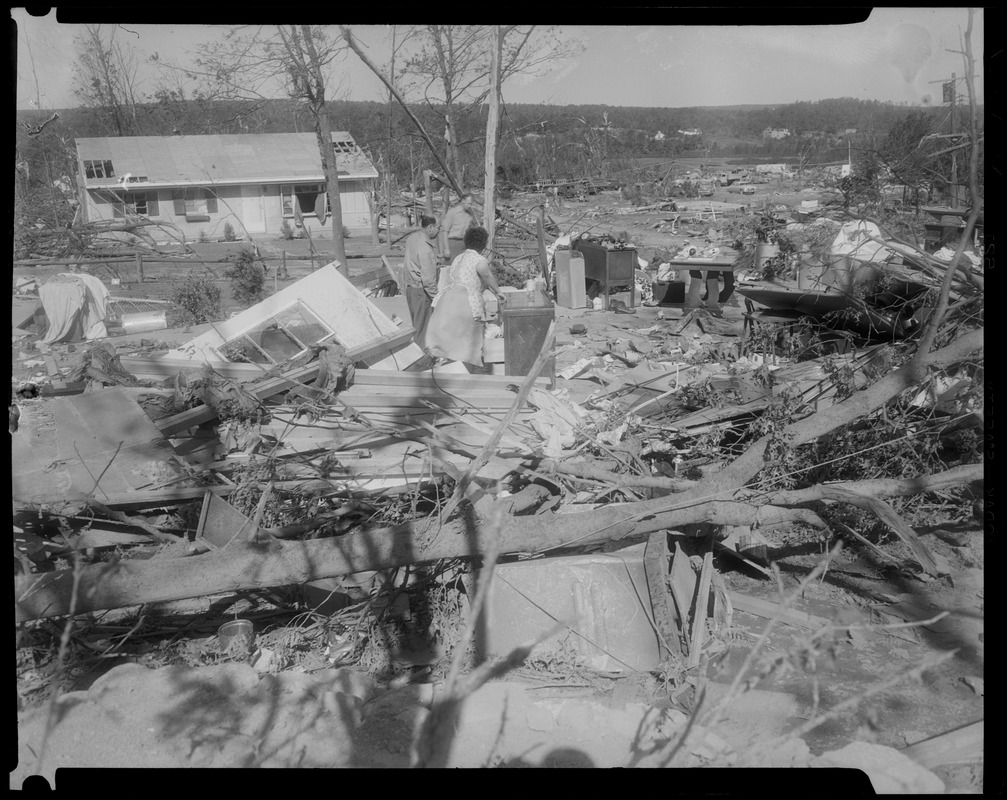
<point x="537" y="142"/>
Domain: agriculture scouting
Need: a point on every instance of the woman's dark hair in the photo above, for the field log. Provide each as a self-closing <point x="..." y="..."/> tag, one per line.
<point x="426" y="221"/>
<point x="477" y="238"/>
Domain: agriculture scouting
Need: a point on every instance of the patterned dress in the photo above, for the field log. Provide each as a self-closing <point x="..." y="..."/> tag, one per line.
<point x="456" y="328"/>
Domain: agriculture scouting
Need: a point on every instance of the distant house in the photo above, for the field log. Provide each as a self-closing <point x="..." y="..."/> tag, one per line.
<point x="256" y="182"/>
<point x="850" y="131"/>
<point x="776" y="133"/>
<point x="691" y="132"/>
<point x="763" y="169"/>
<point x="659" y="136"/>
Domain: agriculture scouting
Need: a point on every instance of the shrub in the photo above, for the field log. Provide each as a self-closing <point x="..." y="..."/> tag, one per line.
<point x="202" y="238"/>
<point x="196" y="301"/>
<point x="248" y="278"/>
<point x="286" y="231"/>
<point x="229" y="233"/>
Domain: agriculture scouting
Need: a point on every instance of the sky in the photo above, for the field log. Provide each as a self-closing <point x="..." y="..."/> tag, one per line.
<point x="897" y="55"/>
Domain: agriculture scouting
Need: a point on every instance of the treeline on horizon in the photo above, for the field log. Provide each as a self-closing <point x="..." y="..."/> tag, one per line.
<point x="537" y="142"/>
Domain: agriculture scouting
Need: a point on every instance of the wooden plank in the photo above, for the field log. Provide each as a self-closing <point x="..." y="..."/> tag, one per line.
<point x="373" y="377"/>
<point x="666" y="619"/>
<point x="683" y="587"/>
<point x="770" y="610"/>
<point x="958" y="745"/>
<point x="700" y="612"/>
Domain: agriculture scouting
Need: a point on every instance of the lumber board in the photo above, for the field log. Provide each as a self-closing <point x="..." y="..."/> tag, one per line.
<point x="770" y="610"/>
<point x="656" y="564"/>
<point x="373" y="377"/>
<point x="956" y="746"/>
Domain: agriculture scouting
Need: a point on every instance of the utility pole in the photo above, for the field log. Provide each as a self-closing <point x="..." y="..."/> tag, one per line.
<point x="949" y="94"/>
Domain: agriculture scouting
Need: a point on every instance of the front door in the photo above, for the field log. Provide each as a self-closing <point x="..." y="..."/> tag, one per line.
<point x="253" y="212"/>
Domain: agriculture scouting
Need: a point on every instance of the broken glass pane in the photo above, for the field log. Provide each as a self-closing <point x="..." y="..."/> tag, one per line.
<point x="243" y="350"/>
<point x="302" y="324"/>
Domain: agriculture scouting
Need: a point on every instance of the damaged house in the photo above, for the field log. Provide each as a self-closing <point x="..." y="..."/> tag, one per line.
<point x="255" y="182"/>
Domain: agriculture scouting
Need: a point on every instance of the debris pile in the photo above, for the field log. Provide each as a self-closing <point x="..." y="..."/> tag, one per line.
<point x="306" y="454"/>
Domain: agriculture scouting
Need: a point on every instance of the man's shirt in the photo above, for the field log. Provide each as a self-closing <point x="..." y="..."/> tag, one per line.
<point x="421" y="262"/>
<point x="456" y="221"/>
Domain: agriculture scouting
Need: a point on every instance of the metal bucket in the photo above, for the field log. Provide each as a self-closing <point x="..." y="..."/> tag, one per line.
<point x="235" y="631"/>
<point x="141" y="321"/>
<point x="765" y="252"/>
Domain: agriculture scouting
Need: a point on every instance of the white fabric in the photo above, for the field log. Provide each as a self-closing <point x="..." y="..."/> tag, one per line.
<point x="75" y="306"/>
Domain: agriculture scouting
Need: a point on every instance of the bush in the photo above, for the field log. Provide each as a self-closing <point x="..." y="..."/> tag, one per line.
<point x="229" y="233"/>
<point x="248" y="278"/>
<point x="196" y="301"/>
<point x="202" y="238"/>
<point x="286" y="231"/>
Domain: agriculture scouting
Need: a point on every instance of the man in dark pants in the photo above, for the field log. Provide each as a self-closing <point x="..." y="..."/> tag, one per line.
<point x="420" y="272"/>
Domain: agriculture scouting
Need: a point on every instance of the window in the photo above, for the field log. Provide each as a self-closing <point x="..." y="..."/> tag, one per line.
<point x="99" y="169"/>
<point x="129" y="204"/>
<point x="195" y="203"/>
<point x="346" y="147"/>
<point x="305" y="195"/>
<point x="279" y="338"/>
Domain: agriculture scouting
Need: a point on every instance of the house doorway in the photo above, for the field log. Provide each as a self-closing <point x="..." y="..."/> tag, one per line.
<point x="253" y="212"/>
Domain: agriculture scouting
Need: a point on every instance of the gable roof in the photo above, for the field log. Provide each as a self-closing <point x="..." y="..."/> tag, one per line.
<point x="220" y="159"/>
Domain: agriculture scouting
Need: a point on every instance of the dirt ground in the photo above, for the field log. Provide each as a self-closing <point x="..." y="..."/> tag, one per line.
<point x="149" y="706"/>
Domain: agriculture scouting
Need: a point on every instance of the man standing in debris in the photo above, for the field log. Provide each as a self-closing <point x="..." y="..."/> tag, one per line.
<point x="420" y="272"/>
<point x="457" y="220"/>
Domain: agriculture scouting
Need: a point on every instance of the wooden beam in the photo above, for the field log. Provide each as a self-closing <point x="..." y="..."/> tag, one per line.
<point x="956" y="746"/>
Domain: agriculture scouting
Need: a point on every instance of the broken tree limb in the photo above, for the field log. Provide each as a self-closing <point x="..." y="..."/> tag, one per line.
<point x="139" y="522"/>
<point x="862" y="403"/>
<point x="352" y="43"/>
<point x="582" y="469"/>
<point x="274" y="563"/>
<point x="885" y="487"/>
<point x="246" y="565"/>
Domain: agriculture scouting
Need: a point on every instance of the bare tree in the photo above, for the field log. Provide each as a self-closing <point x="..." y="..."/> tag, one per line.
<point x="106" y="78"/>
<point x="251" y="62"/>
<point x="452" y="69"/>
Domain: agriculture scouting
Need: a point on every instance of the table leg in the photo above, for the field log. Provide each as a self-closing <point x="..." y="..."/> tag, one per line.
<point x="712" y="290"/>
<point x="694" y="298"/>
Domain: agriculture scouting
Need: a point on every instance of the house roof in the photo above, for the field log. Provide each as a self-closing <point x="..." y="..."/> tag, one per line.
<point x="229" y="159"/>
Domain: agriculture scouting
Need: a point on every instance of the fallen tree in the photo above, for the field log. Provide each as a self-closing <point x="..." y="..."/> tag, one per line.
<point x="275" y="563"/>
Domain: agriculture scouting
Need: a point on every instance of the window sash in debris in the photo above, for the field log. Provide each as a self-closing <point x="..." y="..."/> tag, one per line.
<point x="305" y="195"/>
<point x="283" y="336"/>
<point x="99" y="169"/>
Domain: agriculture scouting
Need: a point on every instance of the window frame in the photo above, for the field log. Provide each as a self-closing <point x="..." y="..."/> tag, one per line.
<point x="186" y="203"/>
<point x="289" y="193"/>
<point x="94" y="166"/>
<point x="127" y="204"/>
<point x="244" y="339"/>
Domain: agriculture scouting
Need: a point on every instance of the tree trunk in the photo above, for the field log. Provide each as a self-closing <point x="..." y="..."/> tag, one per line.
<point x="246" y="566"/>
<point x="324" y="132"/>
<point x="492" y="127"/>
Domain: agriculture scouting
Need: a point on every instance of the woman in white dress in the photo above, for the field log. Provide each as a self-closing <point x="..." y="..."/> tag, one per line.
<point x="456" y="327"/>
